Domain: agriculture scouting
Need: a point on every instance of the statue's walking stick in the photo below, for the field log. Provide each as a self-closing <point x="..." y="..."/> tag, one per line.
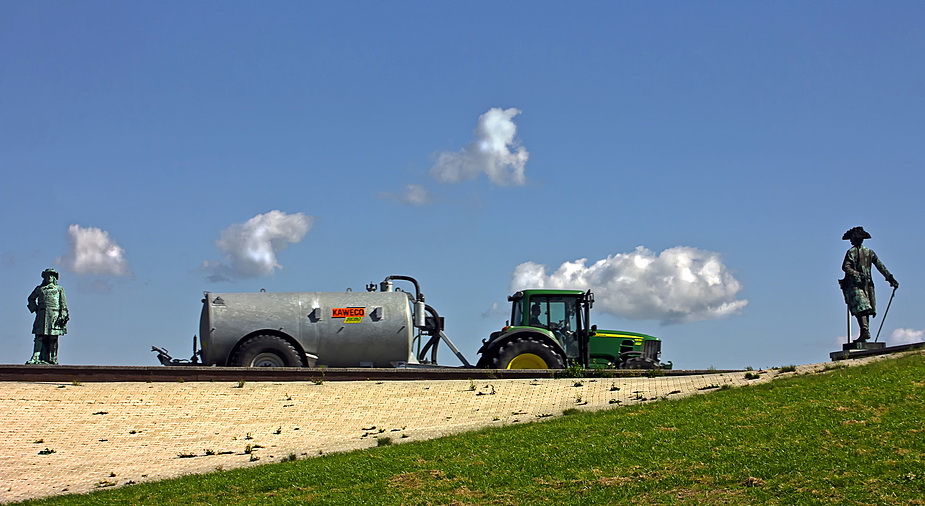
<point x="885" y="313"/>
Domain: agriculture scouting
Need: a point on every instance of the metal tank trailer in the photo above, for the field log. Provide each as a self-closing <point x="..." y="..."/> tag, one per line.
<point x="382" y="327"/>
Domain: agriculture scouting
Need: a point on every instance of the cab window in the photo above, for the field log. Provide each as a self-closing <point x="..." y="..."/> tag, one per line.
<point x="554" y="313"/>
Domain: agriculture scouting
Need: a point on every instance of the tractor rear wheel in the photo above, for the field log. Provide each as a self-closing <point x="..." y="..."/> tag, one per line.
<point x="526" y="353"/>
<point x="266" y="351"/>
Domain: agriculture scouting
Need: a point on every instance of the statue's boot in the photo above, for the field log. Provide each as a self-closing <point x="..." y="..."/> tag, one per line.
<point x="37" y="350"/>
<point x="864" y="323"/>
<point x="52" y="346"/>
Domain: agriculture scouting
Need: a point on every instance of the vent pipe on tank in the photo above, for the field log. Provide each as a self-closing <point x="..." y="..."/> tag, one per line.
<point x="419" y="315"/>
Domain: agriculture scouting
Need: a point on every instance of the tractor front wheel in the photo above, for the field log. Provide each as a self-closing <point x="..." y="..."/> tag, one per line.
<point x="526" y="353"/>
<point x="640" y="363"/>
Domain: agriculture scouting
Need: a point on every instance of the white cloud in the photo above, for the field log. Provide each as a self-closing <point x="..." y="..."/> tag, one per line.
<point x="496" y="309"/>
<point x="250" y="248"/>
<point x="92" y="251"/>
<point x="495" y="152"/>
<point x="907" y="336"/>
<point x="414" y="195"/>
<point x="680" y="284"/>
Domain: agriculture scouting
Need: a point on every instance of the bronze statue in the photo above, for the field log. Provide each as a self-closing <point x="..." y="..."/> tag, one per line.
<point x="49" y="304"/>
<point x="858" y="285"/>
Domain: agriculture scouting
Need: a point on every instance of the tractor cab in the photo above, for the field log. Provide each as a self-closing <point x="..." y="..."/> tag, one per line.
<point x="550" y="329"/>
<point x="563" y="313"/>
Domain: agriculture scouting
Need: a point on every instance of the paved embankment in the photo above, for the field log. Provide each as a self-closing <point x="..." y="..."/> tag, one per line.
<point x="66" y="437"/>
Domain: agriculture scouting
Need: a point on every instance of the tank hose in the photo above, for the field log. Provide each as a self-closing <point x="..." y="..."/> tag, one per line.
<point x="434" y="340"/>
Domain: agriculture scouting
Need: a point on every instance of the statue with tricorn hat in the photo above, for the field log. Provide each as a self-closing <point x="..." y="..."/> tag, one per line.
<point x="858" y="285"/>
<point x="49" y="304"/>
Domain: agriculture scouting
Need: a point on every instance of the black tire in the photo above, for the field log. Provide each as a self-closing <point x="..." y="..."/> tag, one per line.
<point x="266" y="351"/>
<point x="640" y="363"/>
<point x="527" y="351"/>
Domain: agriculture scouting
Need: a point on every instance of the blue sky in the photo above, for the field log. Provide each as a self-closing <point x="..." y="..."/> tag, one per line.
<point x="733" y="141"/>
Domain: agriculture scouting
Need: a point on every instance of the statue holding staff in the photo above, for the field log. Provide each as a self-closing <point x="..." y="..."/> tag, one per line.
<point x="858" y="285"/>
<point x="49" y="304"/>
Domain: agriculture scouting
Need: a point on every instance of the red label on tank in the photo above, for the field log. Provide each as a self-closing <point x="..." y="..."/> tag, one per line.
<point x="348" y="312"/>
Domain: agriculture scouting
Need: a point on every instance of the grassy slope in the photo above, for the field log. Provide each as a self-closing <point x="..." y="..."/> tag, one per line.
<point x="847" y="436"/>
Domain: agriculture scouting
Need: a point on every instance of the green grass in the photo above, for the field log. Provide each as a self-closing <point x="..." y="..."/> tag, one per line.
<point x="848" y="436"/>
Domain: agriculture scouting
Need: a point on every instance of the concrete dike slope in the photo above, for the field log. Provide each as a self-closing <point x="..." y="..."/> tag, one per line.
<point x="61" y="438"/>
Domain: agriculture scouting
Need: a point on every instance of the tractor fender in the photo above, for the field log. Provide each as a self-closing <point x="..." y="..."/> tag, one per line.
<point x="499" y="339"/>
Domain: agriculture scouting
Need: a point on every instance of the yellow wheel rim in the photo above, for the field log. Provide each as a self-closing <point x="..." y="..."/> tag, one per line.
<point x="527" y="361"/>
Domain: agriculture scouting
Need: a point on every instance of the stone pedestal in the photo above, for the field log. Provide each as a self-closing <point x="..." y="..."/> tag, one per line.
<point x="849" y="350"/>
<point x="855" y="346"/>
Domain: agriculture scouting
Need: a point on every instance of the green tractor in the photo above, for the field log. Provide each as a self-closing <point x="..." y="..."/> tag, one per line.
<point x="550" y="329"/>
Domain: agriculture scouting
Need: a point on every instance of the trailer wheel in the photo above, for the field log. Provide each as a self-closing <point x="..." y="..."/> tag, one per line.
<point x="266" y="351"/>
<point x="526" y="353"/>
